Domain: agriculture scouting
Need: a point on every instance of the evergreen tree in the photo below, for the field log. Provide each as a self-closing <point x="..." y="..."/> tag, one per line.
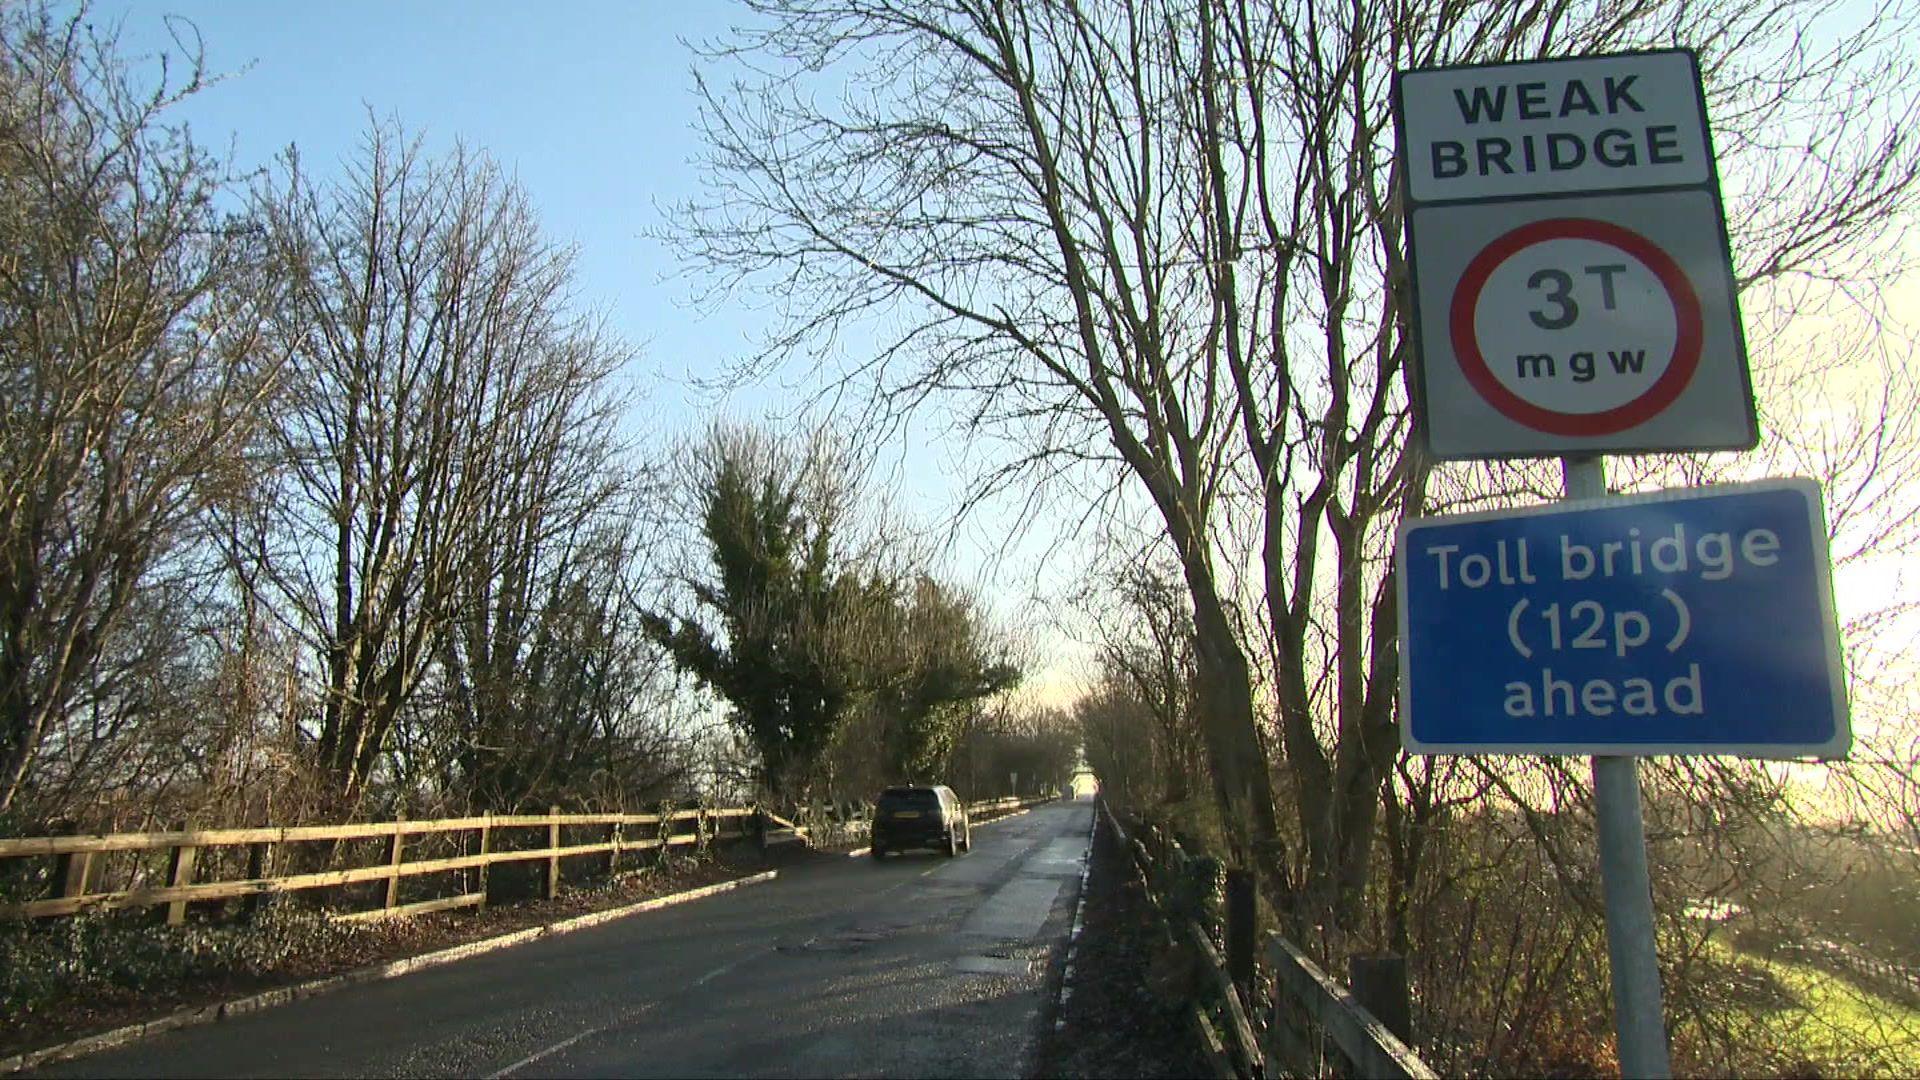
<point x="783" y="615"/>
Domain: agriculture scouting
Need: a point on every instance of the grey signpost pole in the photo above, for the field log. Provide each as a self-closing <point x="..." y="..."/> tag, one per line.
<point x="1638" y="1015"/>
<point x="1512" y="365"/>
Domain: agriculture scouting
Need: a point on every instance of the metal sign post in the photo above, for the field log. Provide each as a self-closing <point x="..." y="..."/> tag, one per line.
<point x="1632" y="956"/>
<point x="1572" y="295"/>
<point x="1632" y="959"/>
<point x="1688" y="621"/>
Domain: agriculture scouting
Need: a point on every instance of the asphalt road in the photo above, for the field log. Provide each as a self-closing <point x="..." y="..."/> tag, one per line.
<point x="918" y="965"/>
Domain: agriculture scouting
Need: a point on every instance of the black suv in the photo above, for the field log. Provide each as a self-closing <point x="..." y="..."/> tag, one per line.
<point x="929" y="817"/>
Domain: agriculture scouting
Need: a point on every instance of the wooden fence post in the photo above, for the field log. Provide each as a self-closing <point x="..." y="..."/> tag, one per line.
<point x="258" y="856"/>
<point x="1379" y="984"/>
<point x="179" y="874"/>
<point x="395" y="852"/>
<point x="486" y="848"/>
<point x="72" y="871"/>
<point x="553" y="861"/>
<point x="76" y="877"/>
<point x="1243" y="930"/>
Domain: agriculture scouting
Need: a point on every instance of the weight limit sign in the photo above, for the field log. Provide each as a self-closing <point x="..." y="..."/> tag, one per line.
<point x="1595" y="324"/>
<point x="1572" y="326"/>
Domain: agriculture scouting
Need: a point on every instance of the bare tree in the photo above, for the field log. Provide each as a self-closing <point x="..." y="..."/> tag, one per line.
<point x="1164" y="239"/>
<point x="548" y="688"/>
<point x="130" y="324"/>
<point x="1146" y="656"/>
<point x="445" y="398"/>
<point x="1116" y="730"/>
<point x="544" y="586"/>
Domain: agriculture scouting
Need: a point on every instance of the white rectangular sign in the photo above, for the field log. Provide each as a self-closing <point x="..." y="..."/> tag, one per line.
<point x="1598" y="124"/>
<point x="1572" y="287"/>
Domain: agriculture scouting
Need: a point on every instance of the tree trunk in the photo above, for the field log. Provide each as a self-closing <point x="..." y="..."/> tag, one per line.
<point x="1242" y="782"/>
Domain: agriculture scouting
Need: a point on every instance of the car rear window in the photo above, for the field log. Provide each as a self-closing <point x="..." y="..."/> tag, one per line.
<point x="910" y="798"/>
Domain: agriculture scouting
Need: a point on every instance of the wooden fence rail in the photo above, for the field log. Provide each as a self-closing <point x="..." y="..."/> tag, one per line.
<point x="1219" y="1014"/>
<point x="1327" y="1010"/>
<point x="74" y="880"/>
<point x="1311" y="1012"/>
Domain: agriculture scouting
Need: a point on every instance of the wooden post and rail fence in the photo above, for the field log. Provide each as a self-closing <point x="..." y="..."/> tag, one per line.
<point x="1302" y="1022"/>
<point x="479" y="843"/>
<point x="453" y="858"/>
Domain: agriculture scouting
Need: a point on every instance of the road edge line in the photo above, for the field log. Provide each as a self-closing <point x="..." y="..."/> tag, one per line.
<point x="202" y="1015"/>
<point x="1079" y="922"/>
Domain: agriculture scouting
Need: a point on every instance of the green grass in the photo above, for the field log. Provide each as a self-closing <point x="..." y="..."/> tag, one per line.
<point x="1838" y="1028"/>
<point x="1847" y="1025"/>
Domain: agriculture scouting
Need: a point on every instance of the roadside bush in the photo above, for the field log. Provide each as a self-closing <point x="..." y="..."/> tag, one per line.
<point x="45" y="964"/>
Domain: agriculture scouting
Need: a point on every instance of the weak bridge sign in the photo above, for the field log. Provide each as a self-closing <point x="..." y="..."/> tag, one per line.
<point x="1572" y="288"/>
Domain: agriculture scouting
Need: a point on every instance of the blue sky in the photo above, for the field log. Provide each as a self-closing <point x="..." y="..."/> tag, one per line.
<point x="589" y="104"/>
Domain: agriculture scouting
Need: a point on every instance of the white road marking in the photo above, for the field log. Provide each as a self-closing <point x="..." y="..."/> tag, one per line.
<point x="557" y="1047"/>
<point x="754" y="955"/>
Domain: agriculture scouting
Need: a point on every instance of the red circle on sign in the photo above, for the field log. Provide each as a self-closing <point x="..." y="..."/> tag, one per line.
<point x="1665" y="389"/>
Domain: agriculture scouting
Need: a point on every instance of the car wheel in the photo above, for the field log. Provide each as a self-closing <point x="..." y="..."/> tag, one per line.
<point x="952" y="846"/>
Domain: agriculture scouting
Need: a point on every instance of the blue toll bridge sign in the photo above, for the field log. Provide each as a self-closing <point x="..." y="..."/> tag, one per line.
<point x="1691" y="621"/>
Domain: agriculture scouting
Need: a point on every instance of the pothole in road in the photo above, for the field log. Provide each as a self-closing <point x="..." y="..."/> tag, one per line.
<point x="999" y="958"/>
<point x="845" y="941"/>
<point x="993" y="965"/>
